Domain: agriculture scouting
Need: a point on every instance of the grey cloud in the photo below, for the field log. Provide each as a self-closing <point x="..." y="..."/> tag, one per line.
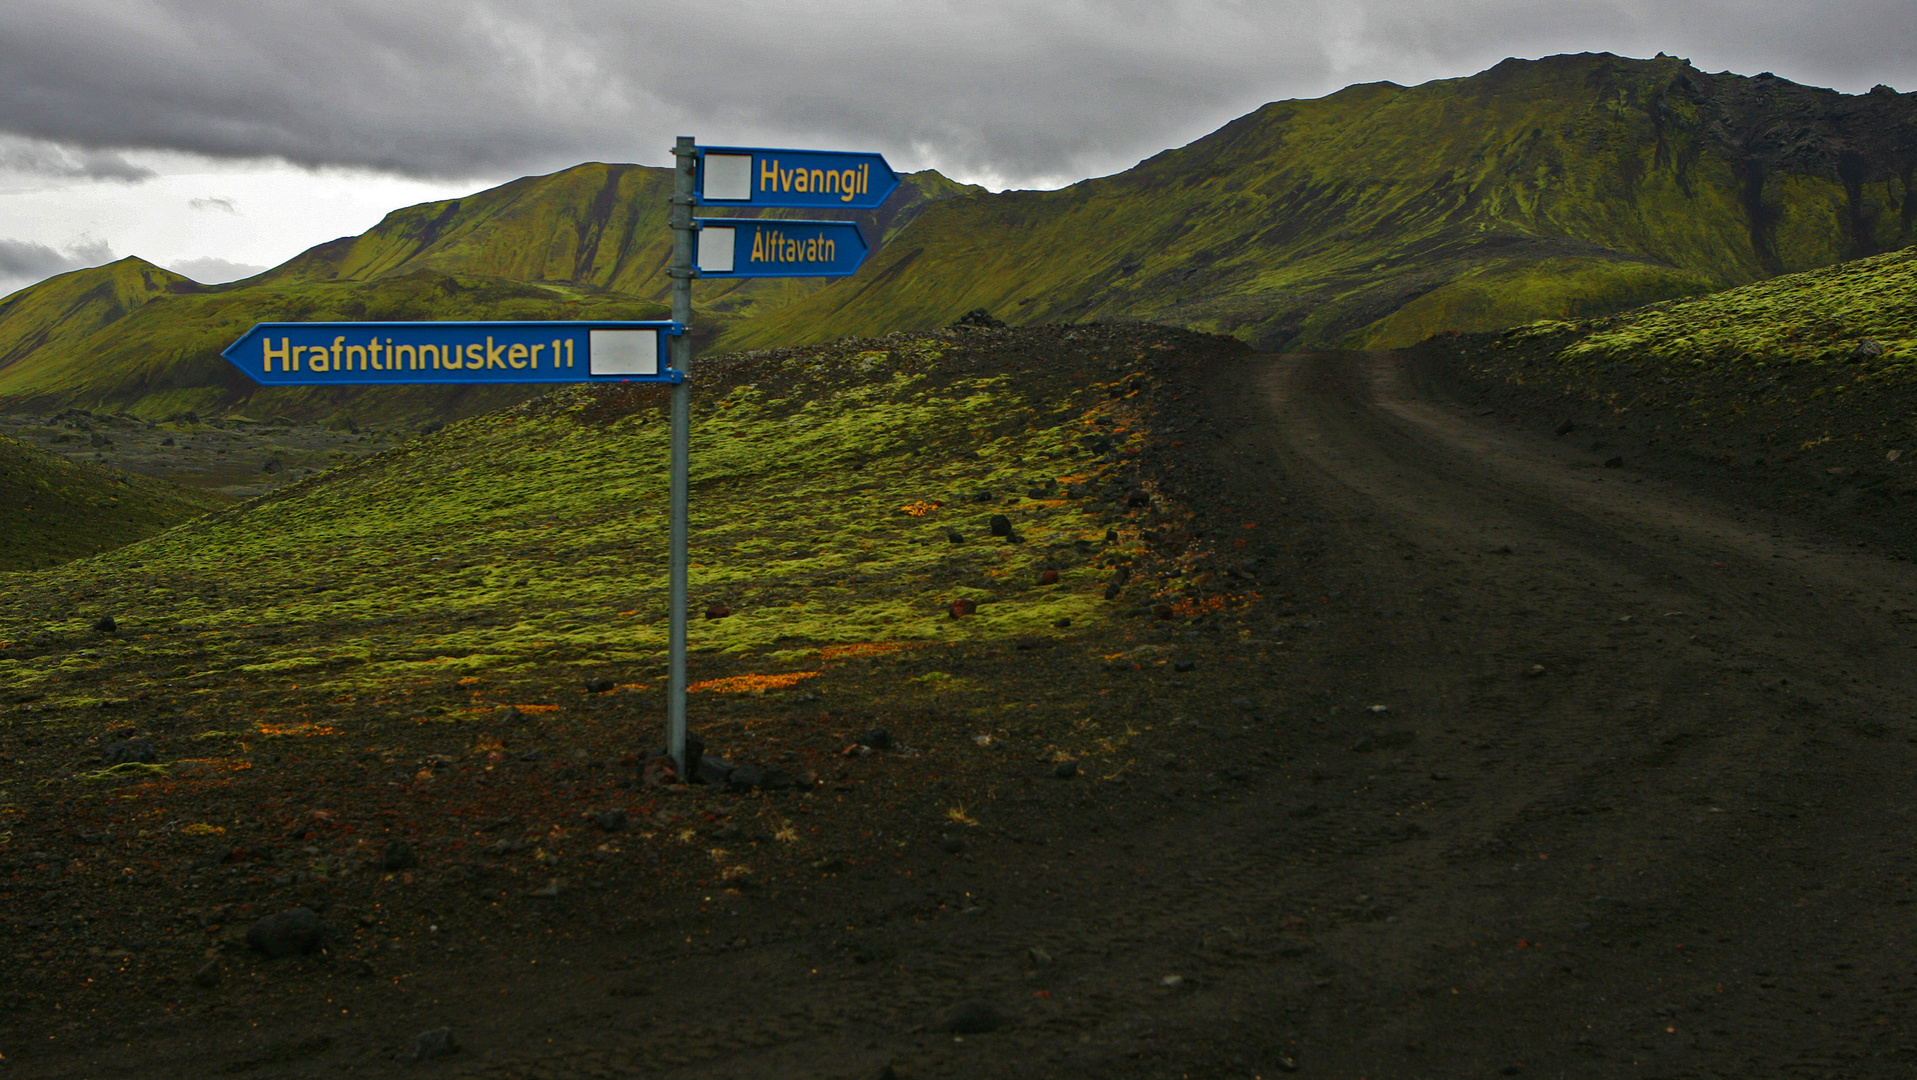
<point x="210" y="271"/>
<point x="36" y="157"/>
<point x="1022" y="90"/>
<point x="213" y="204"/>
<point x="26" y="259"/>
<point x="23" y="262"/>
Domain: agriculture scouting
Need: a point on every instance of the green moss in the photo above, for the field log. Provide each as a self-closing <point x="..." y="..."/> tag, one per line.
<point x="1816" y="317"/>
<point x="535" y="536"/>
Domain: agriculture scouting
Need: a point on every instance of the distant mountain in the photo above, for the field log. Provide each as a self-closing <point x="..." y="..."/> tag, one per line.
<point x="1568" y="186"/>
<point x="590" y="242"/>
<point x="1559" y="188"/>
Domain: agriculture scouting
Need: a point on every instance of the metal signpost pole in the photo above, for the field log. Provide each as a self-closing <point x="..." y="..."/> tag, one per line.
<point x="684" y="164"/>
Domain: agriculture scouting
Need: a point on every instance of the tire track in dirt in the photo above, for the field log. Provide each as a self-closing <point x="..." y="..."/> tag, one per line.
<point x="1640" y="736"/>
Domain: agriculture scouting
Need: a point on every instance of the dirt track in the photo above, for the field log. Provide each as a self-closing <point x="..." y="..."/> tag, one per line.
<point x="1636" y="804"/>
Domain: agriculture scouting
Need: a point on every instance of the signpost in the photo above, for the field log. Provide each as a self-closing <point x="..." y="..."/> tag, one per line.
<point x="753" y="176"/>
<point x="402" y="353"/>
<point x="411" y="353"/>
<point x="772" y="247"/>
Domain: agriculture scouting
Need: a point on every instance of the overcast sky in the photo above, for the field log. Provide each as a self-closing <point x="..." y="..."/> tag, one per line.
<point x="218" y="137"/>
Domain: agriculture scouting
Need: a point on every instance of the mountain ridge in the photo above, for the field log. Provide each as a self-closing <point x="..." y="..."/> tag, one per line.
<point x="1565" y="187"/>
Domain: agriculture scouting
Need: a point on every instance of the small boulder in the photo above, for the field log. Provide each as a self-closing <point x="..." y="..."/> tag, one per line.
<point x="717" y="611"/>
<point x="972" y="1018"/>
<point x="122" y="751"/>
<point x="1000" y="525"/>
<point x="398" y="855"/>
<point x="437" y="1043"/>
<point x="105" y="625"/>
<point x="293" y="932"/>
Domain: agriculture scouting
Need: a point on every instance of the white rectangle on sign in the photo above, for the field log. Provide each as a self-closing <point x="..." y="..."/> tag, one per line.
<point x="728" y="176"/>
<point x="715" y="249"/>
<point x="625" y="352"/>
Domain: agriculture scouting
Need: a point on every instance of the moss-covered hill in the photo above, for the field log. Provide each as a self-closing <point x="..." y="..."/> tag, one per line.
<point x="1793" y="393"/>
<point x="53" y="509"/>
<point x="1568" y="186"/>
<point x="842" y="495"/>
<point x="587" y="243"/>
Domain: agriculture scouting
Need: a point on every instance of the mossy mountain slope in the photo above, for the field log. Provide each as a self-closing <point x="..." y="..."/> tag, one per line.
<point x="1568" y="186"/>
<point x="590" y="242"/>
<point x="53" y="509"/>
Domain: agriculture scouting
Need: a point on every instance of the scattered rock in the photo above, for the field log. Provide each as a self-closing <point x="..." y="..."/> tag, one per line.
<point x="963" y="607"/>
<point x="122" y="751"/>
<point x="507" y="714"/>
<point x="1065" y="770"/>
<point x="1049" y="577"/>
<point x="659" y="771"/>
<point x="437" y="1043"/>
<point x="1000" y="525"/>
<point x="548" y="891"/>
<point x="711" y="770"/>
<point x="1534" y="671"/>
<point x="979" y="317"/>
<point x="1565" y="428"/>
<point x="293" y="932"/>
<point x="1867" y="349"/>
<point x="746" y="778"/>
<point x="954" y="536"/>
<point x="1184" y="665"/>
<point x="599" y="686"/>
<point x="877" y="739"/>
<point x="105" y="625"/>
<point x="398" y="855"/>
<point x="972" y="1018"/>
<point x="717" y="611"/>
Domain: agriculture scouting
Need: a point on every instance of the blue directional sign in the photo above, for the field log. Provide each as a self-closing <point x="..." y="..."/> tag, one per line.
<point x="769" y="247"/>
<point x="754" y="176"/>
<point x="406" y="353"/>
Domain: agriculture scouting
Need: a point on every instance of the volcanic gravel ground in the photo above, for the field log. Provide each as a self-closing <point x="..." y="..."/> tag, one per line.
<point x="237" y="457"/>
<point x="1486" y="761"/>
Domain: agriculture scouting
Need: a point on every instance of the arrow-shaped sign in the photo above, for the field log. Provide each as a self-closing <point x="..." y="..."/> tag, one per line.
<point x="754" y="176"/>
<point x="408" y="353"/>
<point x="769" y="247"/>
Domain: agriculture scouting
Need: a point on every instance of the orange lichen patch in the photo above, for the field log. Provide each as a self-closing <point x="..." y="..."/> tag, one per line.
<point x="1192" y="607"/>
<point x="867" y="648"/>
<point x="538" y="708"/>
<point x="299" y="730"/>
<point x="753" y="684"/>
<point x="920" y="508"/>
<point x="470" y="680"/>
